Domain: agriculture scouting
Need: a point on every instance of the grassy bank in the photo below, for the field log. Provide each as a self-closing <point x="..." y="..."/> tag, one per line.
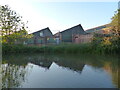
<point x="62" y="48"/>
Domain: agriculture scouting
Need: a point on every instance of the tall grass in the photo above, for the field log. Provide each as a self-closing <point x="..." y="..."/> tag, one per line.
<point x="62" y="48"/>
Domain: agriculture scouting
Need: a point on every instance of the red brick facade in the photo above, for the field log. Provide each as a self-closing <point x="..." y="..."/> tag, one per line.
<point x="82" y="38"/>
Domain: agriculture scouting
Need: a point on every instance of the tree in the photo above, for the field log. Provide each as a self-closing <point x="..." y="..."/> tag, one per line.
<point x="110" y="40"/>
<point x="115" y="23"/>
<point x="12" y="28"/>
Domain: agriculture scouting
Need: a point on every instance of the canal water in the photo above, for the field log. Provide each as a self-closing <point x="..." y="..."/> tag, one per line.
<point x="59" y="71"/>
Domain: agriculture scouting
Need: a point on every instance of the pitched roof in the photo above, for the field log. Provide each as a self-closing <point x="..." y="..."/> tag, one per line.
<point x="79" y="25"/>
<point x="97" y="28"/>
<point x="42" y="30"/>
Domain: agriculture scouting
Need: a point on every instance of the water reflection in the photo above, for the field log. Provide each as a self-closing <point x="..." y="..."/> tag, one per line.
<point x="62" y="71"/>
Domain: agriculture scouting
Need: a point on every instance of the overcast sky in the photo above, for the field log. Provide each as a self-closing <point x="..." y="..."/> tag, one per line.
<point x="60" y="15"/>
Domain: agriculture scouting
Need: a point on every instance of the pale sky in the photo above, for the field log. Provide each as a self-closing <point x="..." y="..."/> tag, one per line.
<point x="59" y="15"/>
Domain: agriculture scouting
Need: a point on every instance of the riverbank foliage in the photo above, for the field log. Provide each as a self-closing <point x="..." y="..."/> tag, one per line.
<point x="110" y="41"/>
<point x="63" y="48"/>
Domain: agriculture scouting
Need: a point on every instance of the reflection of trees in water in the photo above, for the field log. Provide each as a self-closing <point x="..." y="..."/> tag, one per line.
<point x="73" y="62"/>
<point x="13" y="75"/>
<point x="114" y="74"/>
<point x="113" y="69"/>
<point x="0" y="75"/>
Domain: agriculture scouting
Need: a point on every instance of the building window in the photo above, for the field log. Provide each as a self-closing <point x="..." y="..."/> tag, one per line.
<point x="41" y="34"/>
<point x="48" y="38"/>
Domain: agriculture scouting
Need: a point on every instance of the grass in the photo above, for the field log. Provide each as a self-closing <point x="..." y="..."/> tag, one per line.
<point x="62" y="48"/>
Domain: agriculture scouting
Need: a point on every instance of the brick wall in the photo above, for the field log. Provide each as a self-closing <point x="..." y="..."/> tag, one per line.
<point x="82" y="38"/>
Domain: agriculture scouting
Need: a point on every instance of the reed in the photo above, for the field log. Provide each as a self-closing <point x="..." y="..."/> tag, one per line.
<point x="62" y="48"/>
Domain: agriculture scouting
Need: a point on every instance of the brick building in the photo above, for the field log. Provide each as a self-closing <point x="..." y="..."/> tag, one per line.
<point x="86" y="38"/>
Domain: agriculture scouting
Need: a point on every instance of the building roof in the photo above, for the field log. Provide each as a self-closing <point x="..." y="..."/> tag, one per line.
<point x="42" y="30"/>
<point x="77" y="26"/>
<point x="96" y="28"/>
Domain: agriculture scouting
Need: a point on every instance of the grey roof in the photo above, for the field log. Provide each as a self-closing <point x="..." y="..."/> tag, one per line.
<point x="75" y="27"/>
<point x="42" y="30"/>
<point x="96" y="28"/>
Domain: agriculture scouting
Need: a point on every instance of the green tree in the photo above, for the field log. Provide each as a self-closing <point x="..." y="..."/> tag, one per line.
<point x="115" y="23"/>
<point x="115" y="27"/>
<point x="12" y="28"/>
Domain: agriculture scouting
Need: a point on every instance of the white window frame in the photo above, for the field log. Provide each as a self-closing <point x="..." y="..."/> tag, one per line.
<point x="41" y="34"/>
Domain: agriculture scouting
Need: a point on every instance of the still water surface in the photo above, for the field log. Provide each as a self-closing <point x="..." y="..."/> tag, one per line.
<point x="59" y="71"/>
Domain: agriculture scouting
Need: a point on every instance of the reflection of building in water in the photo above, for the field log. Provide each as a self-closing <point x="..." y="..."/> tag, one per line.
<point x="43" y="63"/>
<point x="75" y="66"/>
<point x="46" y="62"/>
